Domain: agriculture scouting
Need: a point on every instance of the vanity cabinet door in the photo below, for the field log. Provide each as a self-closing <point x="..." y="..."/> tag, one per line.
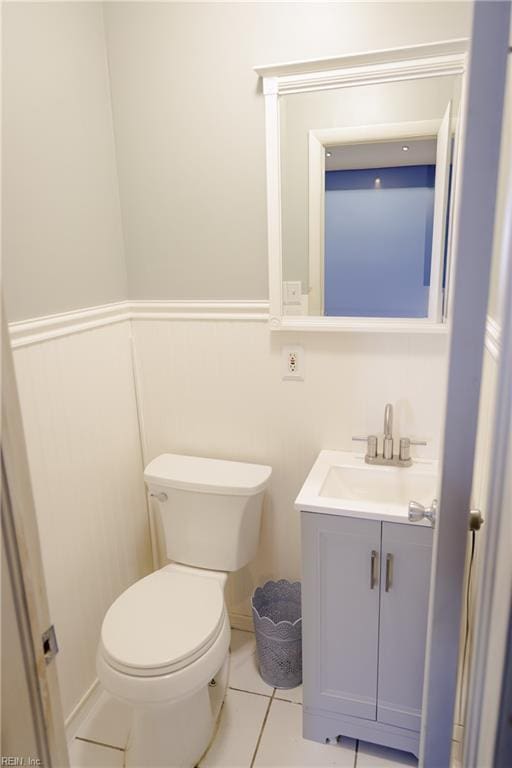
<point x="405" y="583"/>
<point x="340" y="604"/>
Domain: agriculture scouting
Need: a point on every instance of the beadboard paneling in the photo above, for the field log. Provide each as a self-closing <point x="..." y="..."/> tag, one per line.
<point x="215" y="389"/>
<point x="80" y="420"/>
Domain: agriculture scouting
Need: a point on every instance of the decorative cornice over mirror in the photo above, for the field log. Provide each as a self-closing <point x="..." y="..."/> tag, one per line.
<point x="362" y="179"/>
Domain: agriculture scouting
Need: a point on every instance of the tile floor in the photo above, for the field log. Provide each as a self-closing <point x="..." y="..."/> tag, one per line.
<point x="260" y="726"/>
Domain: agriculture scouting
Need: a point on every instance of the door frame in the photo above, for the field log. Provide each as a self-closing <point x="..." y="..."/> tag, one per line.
<point x="24" y="561"/>
<point x="473" y="242"/>
<point x="489" y="663"/>
<point x="320" y="139"/>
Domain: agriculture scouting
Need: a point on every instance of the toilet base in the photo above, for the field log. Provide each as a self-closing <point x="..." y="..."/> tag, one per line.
<point x="176" y="735"/>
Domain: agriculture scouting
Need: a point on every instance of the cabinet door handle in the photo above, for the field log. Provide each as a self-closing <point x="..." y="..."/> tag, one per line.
<point x="373" y="569"/>
<point x="389" y="571"/>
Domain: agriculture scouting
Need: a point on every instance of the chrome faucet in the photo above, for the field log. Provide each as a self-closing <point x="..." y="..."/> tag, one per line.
<point x="388" y="456"/>
<point x="387" y="446"/>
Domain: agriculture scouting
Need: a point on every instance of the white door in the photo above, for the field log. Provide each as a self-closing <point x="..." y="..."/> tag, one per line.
<point x="32" y="723"/>
<point x="473" y="237"/>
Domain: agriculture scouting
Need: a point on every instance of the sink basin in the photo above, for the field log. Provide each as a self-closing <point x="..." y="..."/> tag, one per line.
<point x="342" y="483"/>
<point x="391" y="486"/>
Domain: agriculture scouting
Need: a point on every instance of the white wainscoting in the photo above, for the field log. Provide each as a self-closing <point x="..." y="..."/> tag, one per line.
<point x="80" y="420"/>
<point x="214" y="389"/>
<point x="207" y="388"/>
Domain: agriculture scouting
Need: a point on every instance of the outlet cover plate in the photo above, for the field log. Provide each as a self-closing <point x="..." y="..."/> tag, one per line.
<point x="292" y="359"/>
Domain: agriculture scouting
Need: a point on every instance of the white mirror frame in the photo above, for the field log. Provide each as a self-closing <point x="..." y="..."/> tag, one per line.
<point x="392" y="65"/>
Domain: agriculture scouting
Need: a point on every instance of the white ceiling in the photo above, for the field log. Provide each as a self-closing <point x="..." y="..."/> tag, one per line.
<point x="381" y="155"/>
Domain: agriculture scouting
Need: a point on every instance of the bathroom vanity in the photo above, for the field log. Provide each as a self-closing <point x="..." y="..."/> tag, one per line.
<point x="366" y="576"/>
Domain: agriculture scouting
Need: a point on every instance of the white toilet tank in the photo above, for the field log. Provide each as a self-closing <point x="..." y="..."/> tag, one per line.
<point x="210" y="509"/>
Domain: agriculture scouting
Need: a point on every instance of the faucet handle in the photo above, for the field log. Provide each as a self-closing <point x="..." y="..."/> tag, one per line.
<point x="371" y="445"/>
<point x="405" y="447"/>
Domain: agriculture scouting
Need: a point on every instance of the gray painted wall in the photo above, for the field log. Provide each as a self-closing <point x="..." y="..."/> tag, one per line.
<point x="188" y="118"/>
<point x="62" y="235"/>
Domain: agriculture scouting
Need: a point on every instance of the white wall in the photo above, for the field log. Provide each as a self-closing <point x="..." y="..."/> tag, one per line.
<point x="79" y="415"/>
<point x="62" y="238"/>
<point x="214" y="388"/>
<point x="190" y="133"/>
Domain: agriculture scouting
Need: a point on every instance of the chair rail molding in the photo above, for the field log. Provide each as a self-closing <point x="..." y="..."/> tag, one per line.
<point x="39" y="329"/>
<point x="239" y="309"/>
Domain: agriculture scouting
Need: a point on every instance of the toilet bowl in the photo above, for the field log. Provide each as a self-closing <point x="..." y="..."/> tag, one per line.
<point x="164" y="645"/>
<point x="159" y="653"/>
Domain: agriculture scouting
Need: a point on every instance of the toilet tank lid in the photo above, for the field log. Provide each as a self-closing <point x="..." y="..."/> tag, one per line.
<point x="193" y="473"/>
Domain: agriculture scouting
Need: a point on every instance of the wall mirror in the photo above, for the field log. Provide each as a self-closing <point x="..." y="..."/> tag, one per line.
<point x="361" y="188"/>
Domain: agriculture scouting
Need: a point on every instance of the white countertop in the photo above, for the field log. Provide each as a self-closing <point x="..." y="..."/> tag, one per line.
<point x="341" y="483"/>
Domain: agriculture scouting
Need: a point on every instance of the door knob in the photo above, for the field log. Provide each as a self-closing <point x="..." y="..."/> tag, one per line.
<point x="476" y="520"/>
<point x="418" y="512"/>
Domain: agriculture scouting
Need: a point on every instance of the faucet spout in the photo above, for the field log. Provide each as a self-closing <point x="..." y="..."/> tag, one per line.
<point x="388" y="420"/>
<point x="388" y="457"/>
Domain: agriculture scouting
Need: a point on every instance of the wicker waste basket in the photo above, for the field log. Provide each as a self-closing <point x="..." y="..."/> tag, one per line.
<point x="276" y="611"/>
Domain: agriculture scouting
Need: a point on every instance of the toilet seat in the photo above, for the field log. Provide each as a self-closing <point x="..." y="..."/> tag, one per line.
<point x="162" y="623"/>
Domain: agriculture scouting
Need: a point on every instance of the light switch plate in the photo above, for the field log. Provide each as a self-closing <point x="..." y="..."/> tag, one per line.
<point x="292" y="292"/>
<point x="292" y="363"/>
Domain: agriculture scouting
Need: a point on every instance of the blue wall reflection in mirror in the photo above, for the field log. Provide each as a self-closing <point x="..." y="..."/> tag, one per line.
<point x="378" y="241"/>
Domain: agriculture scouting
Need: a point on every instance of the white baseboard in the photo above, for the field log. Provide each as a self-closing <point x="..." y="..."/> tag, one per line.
<point x="241" y="621"/>
<point x="82" y="710"/>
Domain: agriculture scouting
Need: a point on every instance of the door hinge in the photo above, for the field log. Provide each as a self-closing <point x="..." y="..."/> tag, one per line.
<point x="50" y="645"/>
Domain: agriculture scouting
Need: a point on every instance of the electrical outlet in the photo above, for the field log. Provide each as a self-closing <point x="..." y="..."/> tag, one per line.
<point x="293" y="363"/>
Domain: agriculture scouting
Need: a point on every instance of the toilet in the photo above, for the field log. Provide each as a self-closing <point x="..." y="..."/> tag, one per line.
<point x="164" y="646"/>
